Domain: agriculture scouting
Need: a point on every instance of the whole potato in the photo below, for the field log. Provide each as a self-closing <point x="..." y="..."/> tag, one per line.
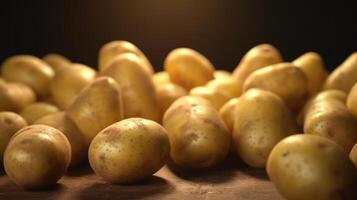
<point x="97" y="106"/>
<point x="313" y="66"/>
<point x="35" y="111"/>
<point x="330" y="118"/>
<point x="69" y="81"/>
<point x="117" y="47"/>
<point x="227" y="113"/>
<point x="188" y="68"/>
<point x="56" y="61"/>
<point x="10" y="123"/>
<point x="61" y="122"/>
<point x="353" y="155"/>
<point x="15" y="96"/>
<point x="30" y="71"/>
<point x="198" y="136"/>
<point x="229" y="86"/>
<point x="37" y="156"/>
<point x="344" y="76"/>
<point x="352" y="101"/>
<point x="160" y="78"/>
<point x="214" y="95"/>
<point x="261" y="120"/>
<point x="218" y="74"/>
<point x="311" y="167"/>
<point x="258" y="57"/>
<point x="130" y="150"/>
<point x="167" y="94"/>
<point x="283" y="79"/>
<point x="138" y="91"/>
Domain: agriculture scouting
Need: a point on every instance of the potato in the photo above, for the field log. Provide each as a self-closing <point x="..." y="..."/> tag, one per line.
<point x="198" y="137"/>
<point x="261" y="121"/>
<point x="37" y="110"/>
<point x="68" y="82"/>
<point x="97" y="106"/>
<point x="167" y="94"/>
<point x="313" y="66"/>
<point x="258" y="57"/>
<point x="230" y="86"/>
<point x="218" y="74"/>
<point x="227" y="113"/>
<point x="311" y="167"/>
<point x="138" y="92"/>
<point x="352" y="101"/>
<point x="285" y="80"/>
<point x="56" y="61"/>
<point x="160" y="78"/>
<point x="61" y="122"/>
<point x="15" y="96"/>
<point x="353" y="154"/>
<point x="30" y="71"/>
<point x="130" y="150"/>
<point x="10" y="123"/>
<point x="37" y="156"/>
<point x="344" y="76"/>
<point x="188" y="68"/>
<point x="214" y="95"/>
<point x="330" y="118"/>
<point x="117" y="47"/>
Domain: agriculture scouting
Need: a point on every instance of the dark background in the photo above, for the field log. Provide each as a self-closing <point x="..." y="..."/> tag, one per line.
<point x="221" y="30"/>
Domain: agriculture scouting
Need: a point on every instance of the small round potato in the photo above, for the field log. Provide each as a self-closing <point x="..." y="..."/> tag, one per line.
<point x="188" y="68"/>
<point x="15" y="96"/>
<point x="56" y="61"/>
<point x="214" y="95"/>
<point x="37" y="110"/>
<point x="167" y="94"/>
<point x="227" y="113"/>
<point x="37" y="156"/>
<point x="352" y="101"/>
<point x="311" y="167"/>
<point x="229" y="86"/>
<point x="130" y="150"/>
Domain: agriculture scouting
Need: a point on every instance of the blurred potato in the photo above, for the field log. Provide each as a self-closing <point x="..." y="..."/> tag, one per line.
<point x="167" y="94"/>
<point x="214" y="95"/>
<point x="229" y="86"/>
<point x="218" y="74"/>
<point x="227" y="113"/>
<point x="352" y="101"/>
<point x="15" y="96"/>
<point x="56" y="61"/>
<point x="35" y="111"/>
<point x="353" y="155"/>
<point x="160" y="78"/>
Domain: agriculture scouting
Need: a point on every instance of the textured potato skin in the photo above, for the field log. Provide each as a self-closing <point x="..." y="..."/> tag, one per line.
<point x="261" y="121"/>
<point x="352" y="101"/>
<point x="35" y="111"/>
<point x="37" y="156"/>
<point x="15" y="96"/>
<point x="130" y="150"/>
<point x="198" y="137"/>
<point x="311" y="167"/>
<point x="188" y="68"/>
<point x="227" y="113"/>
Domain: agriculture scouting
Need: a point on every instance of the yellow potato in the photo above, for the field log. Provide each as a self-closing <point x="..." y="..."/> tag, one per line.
<point x="330" y="118"/>
<point x="198" y="137"/>
<point x="229" y="86"/>
<point x="61" y="122"/>
<point x="160" y="78"/>
<point x="353" y="155"/>
<point x="10" y="123"/>
<point x="285" y="80"/>
<point x="56" y="61"/>
<point x="214" y="95"/>
<point x="352" y="101"/>
<point x="227" y="113"/>
<point x="15" y="96"/>
<point x="130" y="150"/>
<point x="117" y="47"/>
<point x="68" y="82"/>
<point x="309" y="167"/>
<point x="188" y="68"/>
<point x="37" y="156"/>
<point x="218" y="74"/>
<point x="344" y="76"/>
<point x="258" y="57"/>
<point x="97" y="106"/>
<point x="313" y="66"/>
<point x="261" y="121"/>
<point x="35" y="111"/>
<point x="167" y="94"/>
<point x="30" y="71"/>
<point x="138" y="92"/>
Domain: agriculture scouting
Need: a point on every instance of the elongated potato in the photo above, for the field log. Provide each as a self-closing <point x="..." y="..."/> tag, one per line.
<point x="261" y="120"/>
<point x="198" y="137"/>
<point x="344" y="76"/>
<point x="15" y="96"/>
<point x="352" y="101"/>
<point x="330" y="118"/>
<point x="35" y="111"/>
<point x="68" y="82"/>
<point x="188" y="68"/>
<point x="97" y="106"/>
<point x="214" y="95"/>
<point x="56" y="61"/>
<point x="283" y="79"/>
<point x="138" y="92"/>
<point x="313" y="66"/>
<point x="227" y="113"/>
<point x="258" y="57"/>
<point x="117" y="47"/>
<point x="229" y="86"/>
<point x="167" y="94"/>
<point x="30" y="71"/>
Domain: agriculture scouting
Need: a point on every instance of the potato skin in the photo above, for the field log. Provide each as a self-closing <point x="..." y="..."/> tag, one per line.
<point x="218" y="74"/>
<point x="56" y="61"/>
<point x="352" y="101"/>
<point x="37" y="156"/>
<point x="10" y="123"/>
<point x="30" y="71"/>
<point x="353" y="155"/>
<point x="230" y="86"/>
<point x="188" y="68"/>
<point x="227" y="113"/>
<point x="214" y="95"/>
<point x="160" y="78"/>
<point x="15" y="96"/>
<point x="167" y="94"/>
<point x="130" y="150"/>
<point x="37" y="110"/>
<point x="198" y="137"/>
<point x="283" y="79"/>
<point x="311" y="167"/>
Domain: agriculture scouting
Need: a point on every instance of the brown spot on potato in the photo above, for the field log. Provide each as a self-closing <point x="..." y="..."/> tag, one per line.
<point x="26" y="141"/>
<point x="102" y="157"/>
<point x="285" y="154"/>
<point x="321" y="145"/>
<point x="8" y="121"/>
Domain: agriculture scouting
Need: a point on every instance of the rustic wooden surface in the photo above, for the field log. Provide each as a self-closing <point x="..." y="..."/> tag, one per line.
<point x="231" y="180"/>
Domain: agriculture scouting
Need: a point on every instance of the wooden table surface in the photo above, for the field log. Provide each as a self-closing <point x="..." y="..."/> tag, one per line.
<point x="231" y="180"/>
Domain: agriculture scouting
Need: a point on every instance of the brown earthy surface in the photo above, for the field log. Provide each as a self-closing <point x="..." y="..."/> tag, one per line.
<point x="231" y="180"/>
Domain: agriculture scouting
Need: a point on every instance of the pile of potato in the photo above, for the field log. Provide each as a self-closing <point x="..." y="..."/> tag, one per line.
<point x="129" y="121"/>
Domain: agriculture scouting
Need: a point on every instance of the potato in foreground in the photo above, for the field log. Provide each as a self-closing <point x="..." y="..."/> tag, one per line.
<point x="37" y="156"/>
<point x="311" y="167"/>
<point x="130" y="150"/>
